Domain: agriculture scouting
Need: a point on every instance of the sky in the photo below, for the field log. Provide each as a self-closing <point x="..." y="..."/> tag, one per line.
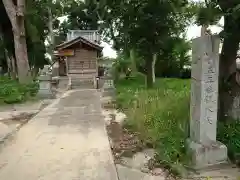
<point x="108" y="51"/>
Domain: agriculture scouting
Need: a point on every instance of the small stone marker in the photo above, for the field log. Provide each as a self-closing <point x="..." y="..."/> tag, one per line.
<point x="204" y="148"/>
<point x="55" y="74"/>
<point x="108" y="86"/>
<point x="45" y="83"/>
<point x="45" y="70"/>
<point x="55" y="69"/>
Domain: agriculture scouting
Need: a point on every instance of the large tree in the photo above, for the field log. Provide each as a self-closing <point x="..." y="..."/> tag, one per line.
<point x="79" y="15"/>
<point x="229" y="87"/>
<point x="7" y="60"/>
<point x="37" y="23"/>
<point x="16" y="12"/>
<point x="143" y="26"/>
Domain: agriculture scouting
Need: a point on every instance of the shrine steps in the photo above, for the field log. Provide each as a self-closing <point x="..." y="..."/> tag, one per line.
<point x="81" y="82"/>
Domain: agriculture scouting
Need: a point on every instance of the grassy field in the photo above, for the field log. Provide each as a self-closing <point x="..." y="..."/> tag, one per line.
<point x="161" y="117"/>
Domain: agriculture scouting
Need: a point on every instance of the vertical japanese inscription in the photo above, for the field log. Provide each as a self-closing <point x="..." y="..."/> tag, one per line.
<point x="210" y="99"/>
<point x="204" y="87"/>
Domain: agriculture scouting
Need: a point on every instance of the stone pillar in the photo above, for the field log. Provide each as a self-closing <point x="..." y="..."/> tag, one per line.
<point x="55" y="74"/>
<point x="204" y="148"/>
<point x="45" y="87"/>
<point x="67" y="66"/>
<point x="45" y="83"/>
<point x="55" y="69"/>
<point x="108" y="86"/>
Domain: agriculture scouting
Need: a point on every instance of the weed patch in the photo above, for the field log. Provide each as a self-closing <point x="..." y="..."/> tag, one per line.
<point x="229" y="134"/>
<point x="160" y="115"/>
<point x="13" y="92"/>
<point x="161" y="118"/>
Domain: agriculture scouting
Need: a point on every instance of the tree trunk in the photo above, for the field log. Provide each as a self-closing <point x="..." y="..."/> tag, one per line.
<point x="51" y="33"/>
<point x="149" y="77"/>
<point x="228" y="86"/>
<point x="14" y="69"/>
<point x="34" y="72"/>
<point x="6" y="54"/>
<point x="11" y="65"/>
<point x="133" y="60"/>
<point x="153" y="67"/>
<point x="21" y="57"/>
<point x="16" y="16"/>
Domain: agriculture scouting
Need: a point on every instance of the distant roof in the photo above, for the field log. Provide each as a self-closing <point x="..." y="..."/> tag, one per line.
<point x="91" y="35"/>
<point x="77" y="30"/>
<point x="79" y="39"/>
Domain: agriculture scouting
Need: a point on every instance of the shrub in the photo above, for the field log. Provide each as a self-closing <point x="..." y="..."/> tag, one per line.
<point x="229" y="134"/>
<point x="127" y="89"/>
<point x="185" y="73"/>
<point x="32" y="88"/>
<point x="13" y="92"/>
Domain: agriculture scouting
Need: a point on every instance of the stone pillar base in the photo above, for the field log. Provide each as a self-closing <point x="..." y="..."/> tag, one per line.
<point x="203" y="156"/>
<point x="46" y="94"/>
<point x="108" y="102"/>
<point x="108" y="92"/>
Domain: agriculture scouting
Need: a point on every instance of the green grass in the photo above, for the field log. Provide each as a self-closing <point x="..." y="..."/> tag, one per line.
<point x="12" y="92"/>
<point x="160" y="115"/>
<point x="229" y="134"/>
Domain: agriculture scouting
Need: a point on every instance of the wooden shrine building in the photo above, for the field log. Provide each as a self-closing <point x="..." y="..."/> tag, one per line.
<point x="78" y="55"/>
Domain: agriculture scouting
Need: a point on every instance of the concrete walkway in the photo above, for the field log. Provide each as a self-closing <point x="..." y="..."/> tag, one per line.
<point x="65" y="141"/>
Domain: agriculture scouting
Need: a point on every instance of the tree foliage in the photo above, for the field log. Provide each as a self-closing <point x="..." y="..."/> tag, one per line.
<point x="145" y="26"/>
<point x="79" y="15"/>
<point x="37" y="30"/>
